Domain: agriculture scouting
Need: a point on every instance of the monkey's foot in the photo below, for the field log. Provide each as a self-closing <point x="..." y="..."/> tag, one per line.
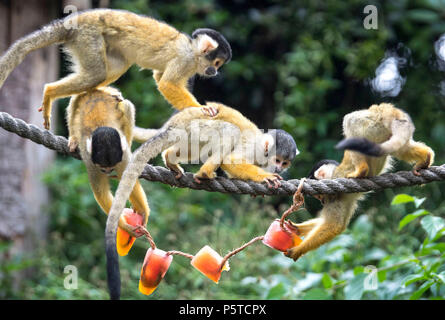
<point x="424" y="165"/>
<point x="46" y="119"/>
<point x="72" y="144"/>
<point x="209" y="111"/>
<point x="203" y="176"/>
<point x="176" y="168"/>
<point x="273" y="181"/>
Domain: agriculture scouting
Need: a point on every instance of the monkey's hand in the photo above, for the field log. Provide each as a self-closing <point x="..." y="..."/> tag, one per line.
<point x="293" y="253"/>
<point x="209" y="111"/>
<point x="133" y="231"/>
<point x="273" y="181"/>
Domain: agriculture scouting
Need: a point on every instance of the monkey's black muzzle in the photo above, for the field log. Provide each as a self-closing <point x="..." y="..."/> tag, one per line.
<point x="211" y="71"/>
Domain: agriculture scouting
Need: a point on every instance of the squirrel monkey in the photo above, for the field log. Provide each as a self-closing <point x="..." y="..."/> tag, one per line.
<point x="229" y="125"/>
<point x="255" y="155"/>
<point x="104" y="43"/>
<point x="377" y="133"/>
<point x="100" y="124"/>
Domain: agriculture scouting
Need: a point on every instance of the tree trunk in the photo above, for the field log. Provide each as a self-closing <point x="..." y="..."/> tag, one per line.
<point x="23" y="198"/>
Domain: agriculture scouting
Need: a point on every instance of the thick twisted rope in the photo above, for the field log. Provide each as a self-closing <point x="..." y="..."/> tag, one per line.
<point x="225" y="185"/>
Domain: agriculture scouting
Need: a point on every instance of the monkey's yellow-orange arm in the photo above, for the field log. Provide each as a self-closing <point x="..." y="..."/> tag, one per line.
<point x="177" y="95"/>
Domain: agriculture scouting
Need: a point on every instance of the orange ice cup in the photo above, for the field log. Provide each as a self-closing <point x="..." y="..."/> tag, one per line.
<point x="124" y="241"/>
<point x="208" y="262"/>
<point x="279" y="239"/>
<point x="156" y="264"/>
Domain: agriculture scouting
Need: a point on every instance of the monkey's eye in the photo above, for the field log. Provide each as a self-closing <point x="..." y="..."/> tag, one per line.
<point x="277" y="161"/>
<point x="285" y="163"/>
<point x="217" y="63"/>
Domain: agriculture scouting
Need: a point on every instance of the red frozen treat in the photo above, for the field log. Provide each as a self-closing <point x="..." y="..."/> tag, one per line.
<point x="156" y="264"/>
<point x="279" y="239"/>
<point x="124" y="241"/>
<point x="208" y="262"/>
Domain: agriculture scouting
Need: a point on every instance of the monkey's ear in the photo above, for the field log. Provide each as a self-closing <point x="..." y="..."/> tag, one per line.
<point x="297" y="152"/>
<point x="206" y="44"/>
<point x="124" y="144"/>
<point x="89" y="145"/>
<point x="267" y="142"/>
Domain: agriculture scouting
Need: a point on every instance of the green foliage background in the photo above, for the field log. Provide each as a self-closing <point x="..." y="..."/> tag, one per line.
<point x="300" y="66"/>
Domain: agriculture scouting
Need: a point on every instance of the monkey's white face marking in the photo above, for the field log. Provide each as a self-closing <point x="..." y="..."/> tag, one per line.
<point x="326" y="171"/>
<point x="206" y="44"/>
<point x="124" y="144"/>
<point x="89" y="145"/>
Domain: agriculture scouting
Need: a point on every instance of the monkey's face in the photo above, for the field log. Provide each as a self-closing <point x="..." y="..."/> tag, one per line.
<point x="213" y="51"/>
<point x="278" y="164"/>
<point x="209" y="68"/>
<point x="105" y="170"/>
<point x="323" y="169"/>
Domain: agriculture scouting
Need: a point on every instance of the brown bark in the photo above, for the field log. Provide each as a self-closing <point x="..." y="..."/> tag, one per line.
<point x="23" y="198"/>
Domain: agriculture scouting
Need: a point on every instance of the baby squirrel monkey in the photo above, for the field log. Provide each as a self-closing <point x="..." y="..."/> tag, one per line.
<point x="228" y="124"/>
<point x="104" y="43"/>
<point x="377" y="133"/>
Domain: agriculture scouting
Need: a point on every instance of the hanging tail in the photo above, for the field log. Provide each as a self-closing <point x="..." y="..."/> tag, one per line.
<point x="150" y="149"/>
<point x="50" y="34"/>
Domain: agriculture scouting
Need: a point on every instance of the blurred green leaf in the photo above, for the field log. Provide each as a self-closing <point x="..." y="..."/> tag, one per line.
<point x="432" y="225"/>
<point x="276" y="292"/>
<point x="317" y="294"/>
<point x="416" y="295"/>
<point x="410" y="217"/>
<point x="355" y="288"/>
<point x="402" y="198"/>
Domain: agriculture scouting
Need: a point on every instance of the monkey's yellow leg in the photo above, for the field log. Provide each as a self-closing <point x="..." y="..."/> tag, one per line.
<point x="361" y="168"/>
<point x="305" y="227"/>
<point x="207" y="170"/>
<point x="101" y="190"/>
<point x="321" y="232"/>
<point x="252" y="172"/>
<point x="92" y="72"/>
<point x="168" y="154"/>
<point x="139" y="201"/>
<point x="177" y="94"/>
<point x="418" y="153"/>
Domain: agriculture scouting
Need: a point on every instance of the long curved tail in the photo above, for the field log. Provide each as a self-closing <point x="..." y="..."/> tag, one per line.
<point x="402" y="132"/>
<point x="150" y="149"/>
<point x="142" y="134"/>
<point x="53" y="33"/>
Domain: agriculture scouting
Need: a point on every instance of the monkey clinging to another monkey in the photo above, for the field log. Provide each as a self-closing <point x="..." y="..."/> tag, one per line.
<point x="372" y="137"/>
<point x="104" y="43"/>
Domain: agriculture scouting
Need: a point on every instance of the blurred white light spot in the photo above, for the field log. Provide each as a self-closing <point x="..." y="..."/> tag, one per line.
<point x="439" y="47"/>
<point x="388" y="81"/>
